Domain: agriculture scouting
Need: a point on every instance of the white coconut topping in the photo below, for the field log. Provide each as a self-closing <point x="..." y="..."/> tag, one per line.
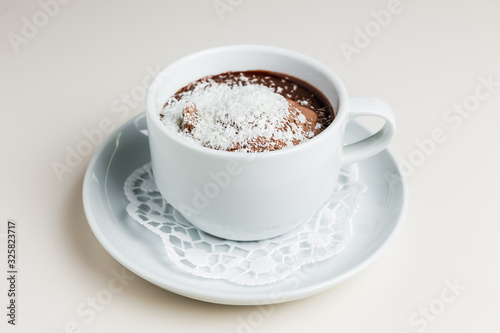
<point x="229" y="115"/>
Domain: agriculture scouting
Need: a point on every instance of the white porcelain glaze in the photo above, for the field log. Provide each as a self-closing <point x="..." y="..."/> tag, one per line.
<point x="245" y="196"/>
<point x="376" y="224"/>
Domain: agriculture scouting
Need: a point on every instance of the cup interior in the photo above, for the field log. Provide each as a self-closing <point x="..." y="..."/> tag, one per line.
<point x="242" y="58"/>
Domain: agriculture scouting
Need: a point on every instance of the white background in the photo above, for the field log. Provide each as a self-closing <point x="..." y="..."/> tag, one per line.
<point x="78" y="66"/>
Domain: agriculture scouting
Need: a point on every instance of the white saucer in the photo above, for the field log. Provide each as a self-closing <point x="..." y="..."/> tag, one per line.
<point x="379" y="218"/>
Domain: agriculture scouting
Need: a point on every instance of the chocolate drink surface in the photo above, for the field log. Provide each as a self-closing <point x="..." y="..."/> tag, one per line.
<point x="249" y="111"/>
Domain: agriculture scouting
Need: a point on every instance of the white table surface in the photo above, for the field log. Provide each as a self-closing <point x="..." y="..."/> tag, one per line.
<point x="78" y="66"/>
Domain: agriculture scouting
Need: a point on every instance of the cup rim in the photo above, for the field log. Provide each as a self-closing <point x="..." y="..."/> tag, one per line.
<point x="324" y="135"/>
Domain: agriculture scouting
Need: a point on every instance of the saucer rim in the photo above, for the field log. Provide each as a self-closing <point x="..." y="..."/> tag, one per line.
<point x="232" y="298"/>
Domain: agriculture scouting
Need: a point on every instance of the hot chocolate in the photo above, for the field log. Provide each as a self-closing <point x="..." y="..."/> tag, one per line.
<point x="251" y="111"/>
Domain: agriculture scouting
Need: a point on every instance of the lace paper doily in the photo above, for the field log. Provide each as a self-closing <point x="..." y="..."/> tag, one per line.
<point x="323" y="235"/>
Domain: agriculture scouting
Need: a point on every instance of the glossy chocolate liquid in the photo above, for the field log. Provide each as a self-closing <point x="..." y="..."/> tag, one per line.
<point x="288" y="86"/>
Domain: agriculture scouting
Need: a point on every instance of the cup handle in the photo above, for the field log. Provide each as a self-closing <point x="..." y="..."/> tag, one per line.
<point x="366" y="106"/>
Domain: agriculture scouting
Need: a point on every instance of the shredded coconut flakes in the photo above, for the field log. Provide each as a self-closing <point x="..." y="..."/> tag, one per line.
<point x="230" y="115"/>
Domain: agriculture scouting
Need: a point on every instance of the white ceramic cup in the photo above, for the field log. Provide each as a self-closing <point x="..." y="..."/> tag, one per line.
<point x="252" y="196"/>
